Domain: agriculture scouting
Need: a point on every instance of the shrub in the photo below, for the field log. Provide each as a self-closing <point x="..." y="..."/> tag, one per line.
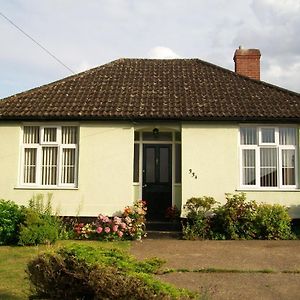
<point x="198" y="222"/>
<point x="41" y="225"/>
<point x="11" y="216"/>
<point x="235" y="219"/>
<point x="131" y="225"/>
<point x="82" y="272"/>
<point x="273" y="222"/>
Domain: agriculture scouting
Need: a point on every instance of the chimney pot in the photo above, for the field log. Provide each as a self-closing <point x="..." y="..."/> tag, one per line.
<point x="247" y="62"/>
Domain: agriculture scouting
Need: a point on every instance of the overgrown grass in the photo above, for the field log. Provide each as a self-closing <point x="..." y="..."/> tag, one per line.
<point x="13" y="260"/>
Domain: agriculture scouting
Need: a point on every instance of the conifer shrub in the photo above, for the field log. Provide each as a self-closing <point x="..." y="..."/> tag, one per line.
<point x="83" y="272"/>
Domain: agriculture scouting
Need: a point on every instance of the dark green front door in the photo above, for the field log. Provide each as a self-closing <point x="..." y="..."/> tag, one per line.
<point x="157" y="179"/>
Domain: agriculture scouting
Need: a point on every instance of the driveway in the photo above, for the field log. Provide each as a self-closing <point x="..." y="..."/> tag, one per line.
<point x="239" y="267"/>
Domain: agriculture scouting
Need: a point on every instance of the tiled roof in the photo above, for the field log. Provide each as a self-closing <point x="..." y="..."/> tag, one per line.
<point x="136" y="89"/>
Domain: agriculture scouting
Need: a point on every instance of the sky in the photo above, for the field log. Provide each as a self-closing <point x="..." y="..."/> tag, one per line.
<point x="86" y="34"/>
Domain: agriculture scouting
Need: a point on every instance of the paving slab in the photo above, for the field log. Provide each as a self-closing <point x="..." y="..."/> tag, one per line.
<point x="241" y="255"/>
<point x="238" y="286"/>
<point x="250" y="256"/>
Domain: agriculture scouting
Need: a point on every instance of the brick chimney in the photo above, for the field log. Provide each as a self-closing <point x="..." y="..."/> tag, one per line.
<point x="247" y="62"/>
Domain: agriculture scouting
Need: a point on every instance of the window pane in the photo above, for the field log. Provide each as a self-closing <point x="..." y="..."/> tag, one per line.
<point x="30" y="165"/>
<point x="288" y="167"/>
<point x="160" y="136"/>
<point x="68" y="166"/>
<point x="49" y="165"/>
<point x="136" y="160"/>
<point x="248" y="136"/>
<point x="150" y="165"/>
<point x="50" y="135"/>
<point x="136" y="136"/>
<point x="248" y="161"/>
<point x="164" y="166"/>
<point x="177" y="163"/>
<point x="268" y="135"/>
<point x="69" y="135"/>
<point x="287" y="136"/>
<point x="268" y="167"/>
<point x="31" y="134"/>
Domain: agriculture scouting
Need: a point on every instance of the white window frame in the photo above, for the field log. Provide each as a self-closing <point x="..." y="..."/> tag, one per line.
<point x="257" y="148"/>
<point x="39" y="146"/>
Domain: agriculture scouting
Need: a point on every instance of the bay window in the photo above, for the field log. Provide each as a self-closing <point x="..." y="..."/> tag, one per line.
<point x="268" y="157"/>
<point x="49" y="156"/>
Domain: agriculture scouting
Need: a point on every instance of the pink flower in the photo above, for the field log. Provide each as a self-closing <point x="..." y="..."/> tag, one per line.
<point x="123" y="225"/>
<point x="117" y="220"/>
<point x="99" y="230"/>
<point x="107" y="229"/>
<point x="120" y="234"/>
<point x="115" y="228"/>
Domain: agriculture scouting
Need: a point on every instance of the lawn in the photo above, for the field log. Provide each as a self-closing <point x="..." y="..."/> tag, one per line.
<point x="13" y="282"/>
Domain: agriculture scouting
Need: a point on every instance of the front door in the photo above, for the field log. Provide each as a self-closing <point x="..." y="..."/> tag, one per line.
<point x="157" y="179"/>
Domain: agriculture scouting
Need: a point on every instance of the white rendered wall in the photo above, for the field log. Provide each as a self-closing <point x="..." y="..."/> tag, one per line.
<point x="105" y="170"/>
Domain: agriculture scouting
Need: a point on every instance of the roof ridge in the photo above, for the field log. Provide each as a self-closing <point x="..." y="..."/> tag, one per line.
<point x="120" y="60"/>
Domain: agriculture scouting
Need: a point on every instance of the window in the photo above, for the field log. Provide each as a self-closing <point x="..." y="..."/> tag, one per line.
<point x="268" y="157"/>
<point x="49" y="156"/>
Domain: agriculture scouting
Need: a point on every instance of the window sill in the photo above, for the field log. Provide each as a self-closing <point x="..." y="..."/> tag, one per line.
<point x="45" y="188"/>
<point x="267" y="190"/>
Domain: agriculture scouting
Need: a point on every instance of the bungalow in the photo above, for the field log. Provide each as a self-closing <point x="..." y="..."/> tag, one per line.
<point x="160" y="130"/>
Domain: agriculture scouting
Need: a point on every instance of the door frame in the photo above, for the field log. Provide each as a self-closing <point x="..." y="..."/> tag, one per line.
<point x="172" y="142"/>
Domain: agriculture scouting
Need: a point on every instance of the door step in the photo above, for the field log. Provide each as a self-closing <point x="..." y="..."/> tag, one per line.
<point x="163" y="226"/>
<point x="160" y="235"/>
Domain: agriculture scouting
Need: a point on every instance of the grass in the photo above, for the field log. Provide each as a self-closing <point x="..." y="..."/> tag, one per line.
<point x="13" y="260"/>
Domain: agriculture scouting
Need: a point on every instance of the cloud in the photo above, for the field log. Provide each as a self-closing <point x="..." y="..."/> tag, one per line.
<point x="83" y="66"/>
<point x="95" y="32"/>
<point x="162" y="53"/>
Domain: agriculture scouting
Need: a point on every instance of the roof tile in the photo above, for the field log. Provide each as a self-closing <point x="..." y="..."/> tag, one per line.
<point x="175" y="89"/>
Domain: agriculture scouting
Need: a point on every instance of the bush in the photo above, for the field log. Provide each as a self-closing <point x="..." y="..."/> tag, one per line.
<point x="273" y="222"/>
<point x="82" y="272"/>
<point x="41" y="225"/>
<point x="198" y="221"/>
<point x="130" y="225"/>
<point x="235" y="219"/>
<point x="11" y="216"/>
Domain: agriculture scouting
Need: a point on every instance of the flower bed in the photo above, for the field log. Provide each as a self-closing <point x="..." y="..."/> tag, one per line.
<point x="129" y="226"/>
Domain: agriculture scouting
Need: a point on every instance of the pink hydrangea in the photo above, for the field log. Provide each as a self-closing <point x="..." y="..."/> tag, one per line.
<point x="120" y="234"/>
<point x="107" y="229"/>
<point x="117" y="220"/>
<point x="115" y="228"/>
<point x="123" y="225"/>
<point x="99" y="229"/>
